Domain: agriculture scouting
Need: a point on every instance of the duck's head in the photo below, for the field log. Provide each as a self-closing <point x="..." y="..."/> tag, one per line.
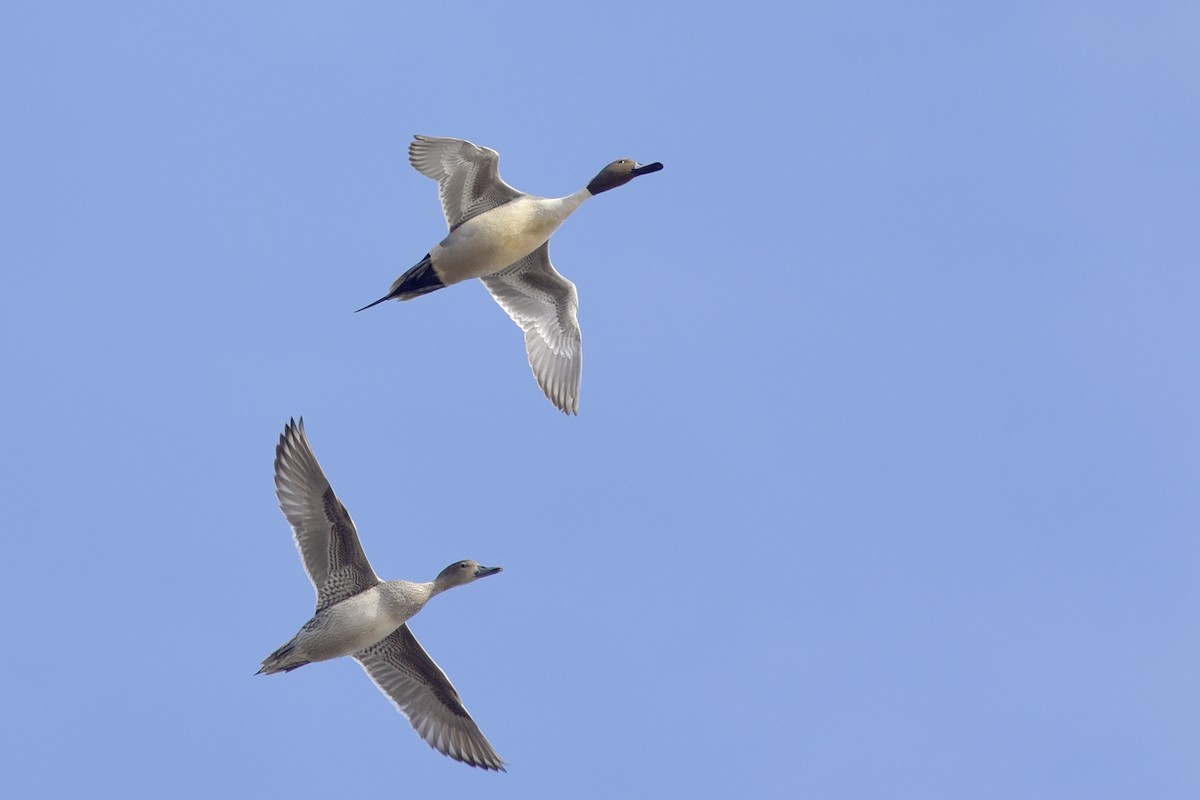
<point x="619" y="173"/>
<point x="461" y="572"/>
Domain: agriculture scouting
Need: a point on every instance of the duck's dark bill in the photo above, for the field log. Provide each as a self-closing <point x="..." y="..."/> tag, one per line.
<point x="647" y="168"/>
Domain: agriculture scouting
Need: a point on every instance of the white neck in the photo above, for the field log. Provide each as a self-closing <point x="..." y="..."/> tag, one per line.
<point x="574" y="201"/>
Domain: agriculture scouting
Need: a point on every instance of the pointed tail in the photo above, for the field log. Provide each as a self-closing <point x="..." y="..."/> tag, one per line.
<point x="421" y="279"/>
<point x="281" y="660"/>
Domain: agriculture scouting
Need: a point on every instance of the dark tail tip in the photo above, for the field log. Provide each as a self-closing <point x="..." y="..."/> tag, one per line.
<point x="383" y="299"/>
<point x="420" y="279"/>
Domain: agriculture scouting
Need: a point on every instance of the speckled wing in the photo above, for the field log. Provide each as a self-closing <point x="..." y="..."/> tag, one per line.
<point x="468" y="176"/>
<point x="405" y="673"/>
<point x="325" y="534"/>
<point x="546" y="306"/>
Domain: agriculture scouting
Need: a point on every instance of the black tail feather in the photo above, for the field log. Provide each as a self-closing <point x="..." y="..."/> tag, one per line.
<point x="421" y="279"/>
<point x="383" y="299"/>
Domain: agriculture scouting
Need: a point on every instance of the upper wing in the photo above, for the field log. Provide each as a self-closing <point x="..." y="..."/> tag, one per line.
<point x="325" y="534"/>
<point x="546" y="306"/>
<point x="468" y="176"/>
<point x="405" y="673"/>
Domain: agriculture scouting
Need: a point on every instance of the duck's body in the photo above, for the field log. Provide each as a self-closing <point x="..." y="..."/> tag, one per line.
<point x="501" y="236"/>
<point x="351" y="625"/>
<point x="361" y="616"/>
<point x="496" y="239"/>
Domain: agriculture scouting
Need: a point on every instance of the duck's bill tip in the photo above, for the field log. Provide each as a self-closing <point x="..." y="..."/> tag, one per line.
<point x="645" y="169"/>
<point x="483" y="572"/>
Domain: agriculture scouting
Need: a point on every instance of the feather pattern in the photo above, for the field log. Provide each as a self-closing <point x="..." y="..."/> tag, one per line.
<point x="418" y="687"/>
<point x="324" y="532"/>
<point x="468" y="176"/>
<point x="546" y="307"/>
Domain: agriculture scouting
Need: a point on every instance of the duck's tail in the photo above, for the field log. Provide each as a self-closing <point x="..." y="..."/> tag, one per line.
<point x="282" y="660"/>
<point x="421" y="279"/>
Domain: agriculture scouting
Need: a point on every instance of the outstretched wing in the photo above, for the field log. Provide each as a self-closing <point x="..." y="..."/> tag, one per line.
<point x="546" y="306"/>
<point x="405" y="673"/>
<point x="325" y="534"/>
<point x="468" y="176"/>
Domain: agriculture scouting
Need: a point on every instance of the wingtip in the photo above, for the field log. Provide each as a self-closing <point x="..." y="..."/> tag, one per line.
<point x="293" y="429"/>
<point x="499" y="765"/>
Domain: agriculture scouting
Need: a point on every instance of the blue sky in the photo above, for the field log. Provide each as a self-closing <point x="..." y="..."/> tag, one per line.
<point x="885" y="478"/>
